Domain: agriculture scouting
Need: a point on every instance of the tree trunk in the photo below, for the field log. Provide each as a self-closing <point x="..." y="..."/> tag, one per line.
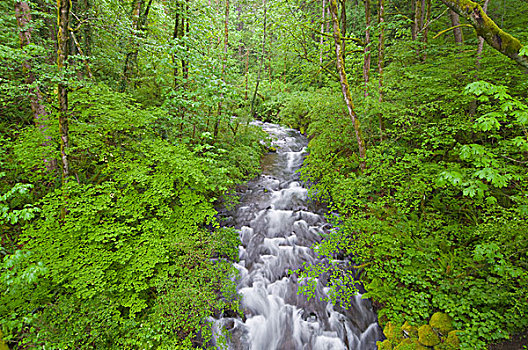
<point x="480" y="47"/>
<point x="63" y="20"/>
<point x="261" y="61"/>
<point x="343" y="27"/>
<point x="40" y="115"/>
<point x="366" y="58"/>
<point x="224" y="63"/>
<point x="381" y="52"/>
<point x="340" y="63"/>
<point x="457" y="32"/>
<point x="321" y="40"/>
<point x="487" y="29"/>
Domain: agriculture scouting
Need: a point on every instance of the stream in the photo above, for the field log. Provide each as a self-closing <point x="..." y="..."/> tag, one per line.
<point x="278" y="225"/>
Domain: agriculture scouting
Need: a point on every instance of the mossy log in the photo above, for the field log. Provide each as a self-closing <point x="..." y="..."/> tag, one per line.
<point x="488" y="30"/>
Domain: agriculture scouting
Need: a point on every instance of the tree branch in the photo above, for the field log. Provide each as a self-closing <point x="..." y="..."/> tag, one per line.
<point x="488" y="30"/>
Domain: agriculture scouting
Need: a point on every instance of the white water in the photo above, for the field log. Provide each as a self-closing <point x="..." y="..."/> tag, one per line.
<point x="278" y="225"/>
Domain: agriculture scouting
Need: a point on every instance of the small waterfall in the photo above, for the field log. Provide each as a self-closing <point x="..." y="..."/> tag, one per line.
<point x="278" y="225"/>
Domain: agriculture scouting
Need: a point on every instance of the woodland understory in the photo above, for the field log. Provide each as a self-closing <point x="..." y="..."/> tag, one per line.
<point x="126" y="124"/>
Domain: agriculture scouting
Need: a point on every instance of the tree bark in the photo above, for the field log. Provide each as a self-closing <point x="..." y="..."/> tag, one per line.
<point x="63" y="21"/>
<point x="487" y="29"/>
<point x="340" y="63"/>
<point x="457" y="32"/>
<point x="366" y="50"/>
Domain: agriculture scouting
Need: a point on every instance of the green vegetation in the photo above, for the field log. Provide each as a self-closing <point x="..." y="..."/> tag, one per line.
<point x="120" y="136"/>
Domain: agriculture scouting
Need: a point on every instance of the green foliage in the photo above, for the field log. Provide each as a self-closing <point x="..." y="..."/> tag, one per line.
<point x="426" y="220"/>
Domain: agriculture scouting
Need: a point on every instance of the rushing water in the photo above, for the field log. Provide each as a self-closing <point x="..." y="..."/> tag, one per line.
<point x="278" y="225"/>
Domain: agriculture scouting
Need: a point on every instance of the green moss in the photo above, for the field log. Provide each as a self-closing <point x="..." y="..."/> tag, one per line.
<point x="410" y="344"/>
<point x="384" y="345"/>
<point x="393" y="333"/>
<point x="3" y="345"/>
<point x="427" y="336"/>
<point x="410" y="331"/>
<point x="441" y="322"/>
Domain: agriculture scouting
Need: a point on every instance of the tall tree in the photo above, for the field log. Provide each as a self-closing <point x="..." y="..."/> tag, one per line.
<point x="63" y="22"/>
<point x="261" y="59"/>
<point x="366" y="58"/>
<point x="381" y="57"/>
<point x="457" y="31"/>
<point x="340" y="64"/>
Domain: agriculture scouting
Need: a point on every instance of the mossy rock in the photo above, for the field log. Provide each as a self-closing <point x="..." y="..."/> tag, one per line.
<point x="427" y="336"/>
<point x="384" y="345"/>
<point x="393" y="333"/>
<point x="410" y="331"/>
<point x="452" y="342"/>
<point x="3" y="345"/>
<point x="410" y="344"/>
<point x="272" y="149"/>
<point x="442" y="322"/>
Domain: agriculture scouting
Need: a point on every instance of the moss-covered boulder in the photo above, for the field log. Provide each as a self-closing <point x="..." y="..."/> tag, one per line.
<point x="393" y="333"/>
<point x="450" y="343"/>
<point x="410" y="344"/>
<point x="409" y="331"/>
<point x="384" y="345"/>
<point x="3" y="345"/>
<point x="441" y="322"/>
<point x="427" y="336"/>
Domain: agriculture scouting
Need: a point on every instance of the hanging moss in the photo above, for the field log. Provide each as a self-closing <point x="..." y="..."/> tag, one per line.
<point x="427" y="336"/>
<point x="441" y="322"/>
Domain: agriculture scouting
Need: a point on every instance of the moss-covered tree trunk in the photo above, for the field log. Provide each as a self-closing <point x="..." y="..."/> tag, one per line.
<point x="63" y="20"/>
<point x="340" y="63"/>
<point x="487" y="29"/>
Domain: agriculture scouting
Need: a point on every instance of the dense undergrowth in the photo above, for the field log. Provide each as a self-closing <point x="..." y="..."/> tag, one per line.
<point x="128" y="254"/>
<point x="437" y="221"/>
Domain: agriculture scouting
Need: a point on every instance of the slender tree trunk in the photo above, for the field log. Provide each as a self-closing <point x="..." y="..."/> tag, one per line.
<point x="488" y="29"/>
<point x="366" y="58"/>
<point x="224" y="63"/>
<point x="246" y="74"/>
<point x="322" y="39"/>
<point x="480" y="47"/>
<point x="457" y="32"/>
<point x="40" y="115"/>
<point x="261" y="60"/>
<point x="340" y="63"/>
<point x="381" y="52"/>
<point x="63" y="20"/>
<point x="186" y="29"/>
<point x="343" y="27"/>
<point x="426" y="29"/>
